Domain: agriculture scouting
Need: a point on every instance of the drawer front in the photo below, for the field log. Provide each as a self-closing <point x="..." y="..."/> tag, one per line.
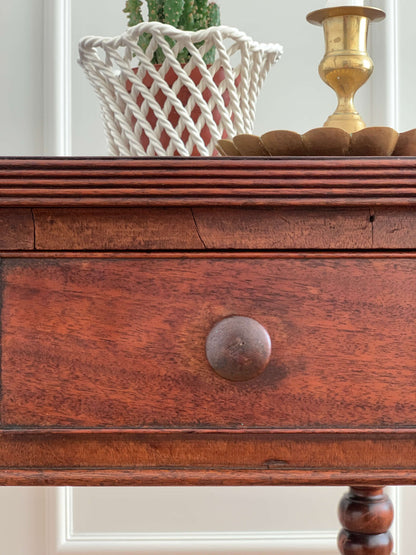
<point x="121" y="342"/>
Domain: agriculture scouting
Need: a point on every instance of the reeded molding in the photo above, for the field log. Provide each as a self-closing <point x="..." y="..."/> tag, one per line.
<point x="118" y="182"/>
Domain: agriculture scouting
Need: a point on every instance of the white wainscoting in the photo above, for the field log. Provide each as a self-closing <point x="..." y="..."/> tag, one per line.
<point x="384" y="83"/>
<point x="21" y="100"/>
<point x="64" y="538"/>
<point x="57" y="63"/>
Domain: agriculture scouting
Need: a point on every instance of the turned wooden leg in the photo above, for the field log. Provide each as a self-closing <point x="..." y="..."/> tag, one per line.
<point x="366" y="515"/>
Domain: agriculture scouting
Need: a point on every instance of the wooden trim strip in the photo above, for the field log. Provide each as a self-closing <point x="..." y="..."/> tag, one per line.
<point x="231" y="188"/>
<point x="81" y="200"/>
<point x="261" y="255"/>
<point x="327" y="162"/>
<point x="71" y="182"/>
<point x="203" y="477"/>
<point x="329" y="433"/>
<point x="265" y="173"/>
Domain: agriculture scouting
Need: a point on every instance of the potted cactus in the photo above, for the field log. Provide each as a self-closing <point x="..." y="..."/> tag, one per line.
<point x="178" y="83"/>
<point x="188" y="15"/>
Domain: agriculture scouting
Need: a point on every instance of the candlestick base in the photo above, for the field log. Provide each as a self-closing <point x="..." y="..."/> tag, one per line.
<point x="349" y="122"/>
<point x="346" y="65"/>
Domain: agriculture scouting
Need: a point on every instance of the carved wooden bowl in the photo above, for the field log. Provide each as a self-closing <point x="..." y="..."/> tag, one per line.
<point x="324" y="141"/>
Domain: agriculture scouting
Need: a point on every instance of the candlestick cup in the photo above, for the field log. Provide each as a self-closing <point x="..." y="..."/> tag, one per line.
<point x="346" y="65"/>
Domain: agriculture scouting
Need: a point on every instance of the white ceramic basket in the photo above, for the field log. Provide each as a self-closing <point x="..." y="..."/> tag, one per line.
<point x="172" y="108"/>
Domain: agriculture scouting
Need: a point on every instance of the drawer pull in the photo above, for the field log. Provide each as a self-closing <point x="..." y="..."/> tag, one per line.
<point x="238" y="348"/>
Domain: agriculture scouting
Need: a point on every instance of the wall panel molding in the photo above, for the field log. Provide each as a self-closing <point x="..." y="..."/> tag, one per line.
<point x="63" y="540"/>
<point x="57" y="77"/>
<point x="384" y="44"/>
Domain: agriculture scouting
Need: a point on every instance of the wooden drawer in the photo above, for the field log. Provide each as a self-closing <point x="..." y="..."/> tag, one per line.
<point x="94" y="342"/>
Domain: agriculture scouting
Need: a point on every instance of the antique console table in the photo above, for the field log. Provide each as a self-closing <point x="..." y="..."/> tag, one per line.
<point x="212" y="321"/>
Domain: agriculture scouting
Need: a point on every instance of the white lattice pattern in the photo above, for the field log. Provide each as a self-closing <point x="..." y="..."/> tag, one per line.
<point x="175" y="108"/>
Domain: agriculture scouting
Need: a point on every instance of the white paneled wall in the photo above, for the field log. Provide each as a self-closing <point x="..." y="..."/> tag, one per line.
<point x="21" y="90"/>
<point x="406" y="64"/>
<point x="176" y="521"/>
<point x="57" y="77"/>
<point x="48" y="107"/>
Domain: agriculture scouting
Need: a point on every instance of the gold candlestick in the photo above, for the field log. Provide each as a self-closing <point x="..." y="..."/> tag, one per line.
<point x="346" y="65"/>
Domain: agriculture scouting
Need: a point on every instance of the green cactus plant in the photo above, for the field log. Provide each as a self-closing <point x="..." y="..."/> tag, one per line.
<point x="189" y="15"/>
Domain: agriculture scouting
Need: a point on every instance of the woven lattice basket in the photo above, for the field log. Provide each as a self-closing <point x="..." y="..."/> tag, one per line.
<point x="176" y="108"/>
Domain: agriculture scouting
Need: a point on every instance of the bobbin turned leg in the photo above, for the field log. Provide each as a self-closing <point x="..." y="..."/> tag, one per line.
<point x="366" y="515"/>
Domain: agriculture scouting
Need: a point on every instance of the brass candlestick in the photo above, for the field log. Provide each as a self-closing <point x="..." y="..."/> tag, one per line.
<point x="346" y="65"/>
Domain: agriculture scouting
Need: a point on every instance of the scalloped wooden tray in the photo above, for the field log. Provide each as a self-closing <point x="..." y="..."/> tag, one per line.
<point x="323" y="141"/>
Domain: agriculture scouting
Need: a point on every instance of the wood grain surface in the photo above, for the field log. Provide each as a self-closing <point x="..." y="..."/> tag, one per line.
<point x="285" y="228"/>
<point x="116" y="476"/>
<point x="212" y="228"/>
<point x="16" y="229"/>
<point x="127" y="457"/>
<point x="118" y="182"/>
<point x="117" y="229"/>
<point x="366" y="515"/>
<point x="113" y="273"/>
<point x="394" y="228"/>
<point x="121" y="343"/>
<point x="202" y="228"/>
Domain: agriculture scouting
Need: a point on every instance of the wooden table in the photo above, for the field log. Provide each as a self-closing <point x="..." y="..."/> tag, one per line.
<point x="211" y="321"/>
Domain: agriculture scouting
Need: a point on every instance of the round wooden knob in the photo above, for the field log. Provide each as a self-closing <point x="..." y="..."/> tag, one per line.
<point x="238" y="348"/>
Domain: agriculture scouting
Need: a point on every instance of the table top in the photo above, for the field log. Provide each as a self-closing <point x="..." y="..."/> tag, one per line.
<point x="113" y="273"/>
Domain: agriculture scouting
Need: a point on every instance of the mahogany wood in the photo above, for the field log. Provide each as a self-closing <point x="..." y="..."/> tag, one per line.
<point x="121" y="343"/>
<point x="17" y="230"/>
<point x="216" y="457"/>
<point x="202" y="228"/>
<point x="116" y="229"/>
<point x="224" y="228"/>
<point x="285" y="228"/>
<point x="366" y="515"/>
<point x="394" y="228"/>
<point x="138" y="476"/>
<point x="113" y="273"/>
<point x="200" y="182"/>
